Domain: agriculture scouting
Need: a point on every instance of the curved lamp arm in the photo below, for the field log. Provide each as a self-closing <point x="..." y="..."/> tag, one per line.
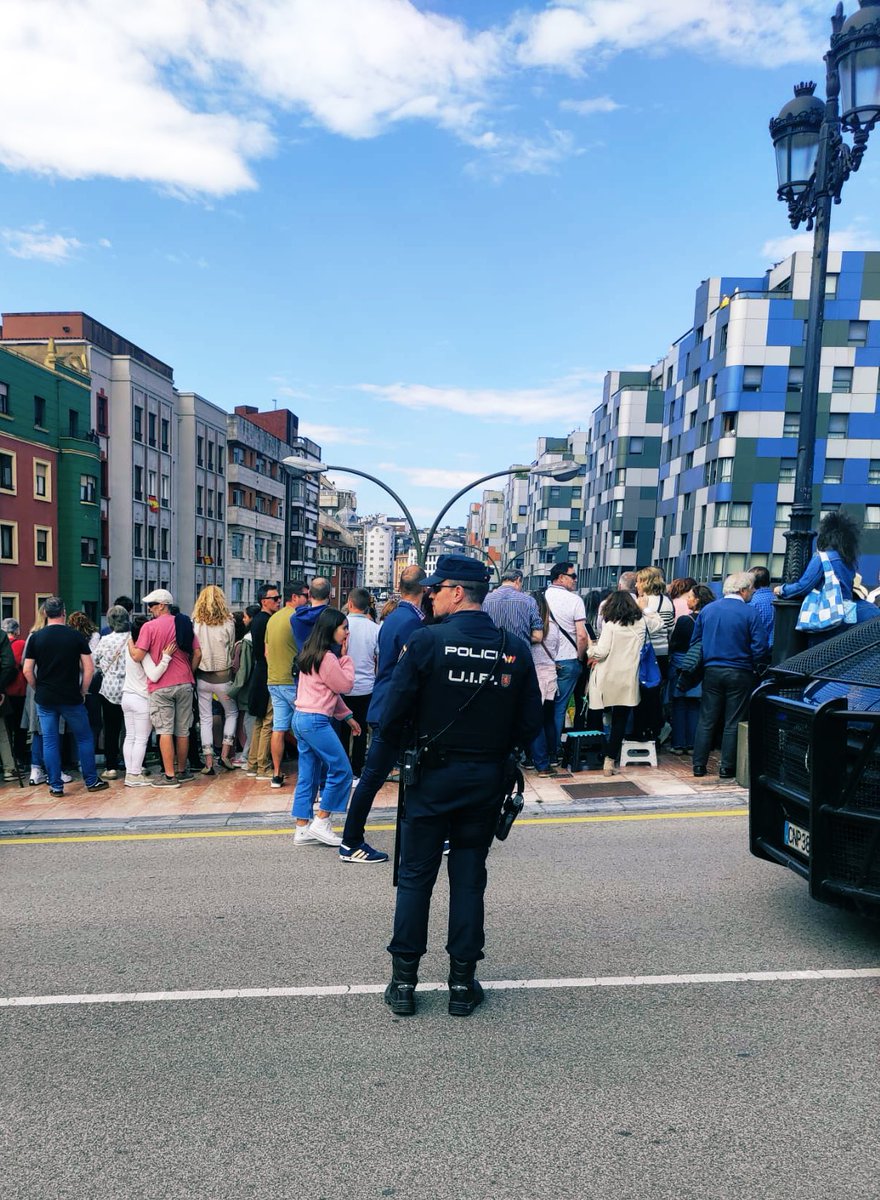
<point x="458" y="495"/>
<point x="420" y="554"/>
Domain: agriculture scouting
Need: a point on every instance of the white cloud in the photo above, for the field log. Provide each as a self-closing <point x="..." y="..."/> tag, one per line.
<point x="36" y="242"/>
<point x="433" y="477"/>
<point x="586" y="108"/>
<point x="505" y="154"/>
<point x="334" y="435"/>
<point x="756" y="32"/>
<point x="854" y="238"/>
<point x="564" y="401"/>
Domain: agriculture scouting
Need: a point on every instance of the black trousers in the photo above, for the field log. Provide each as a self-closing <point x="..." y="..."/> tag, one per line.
<point x="380" y="759"/>
<point x="725" y="698"/>
<point x="113" y="724"/>
<point x="461" y="802"/>
<point x="356" y="747"/>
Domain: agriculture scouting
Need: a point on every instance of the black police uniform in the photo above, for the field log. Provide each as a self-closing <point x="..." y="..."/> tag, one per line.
<point x="460" y="789"/>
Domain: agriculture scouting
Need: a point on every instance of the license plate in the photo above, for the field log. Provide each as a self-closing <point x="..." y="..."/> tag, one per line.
<point x="797" y="839"/>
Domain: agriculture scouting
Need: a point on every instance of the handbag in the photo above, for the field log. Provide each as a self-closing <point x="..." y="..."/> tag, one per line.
<point x="112" y="683"/>
<point x="649" y="671"/>
<point x="824" y="607"/>
<point x="691" y="669"/>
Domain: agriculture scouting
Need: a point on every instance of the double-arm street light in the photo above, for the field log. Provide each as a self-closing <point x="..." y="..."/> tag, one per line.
<point x="813" y="162"/>
<point x="561" y="472"/>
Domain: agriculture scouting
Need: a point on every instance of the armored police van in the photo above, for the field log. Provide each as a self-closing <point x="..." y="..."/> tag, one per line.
<point x="814" y="767"/>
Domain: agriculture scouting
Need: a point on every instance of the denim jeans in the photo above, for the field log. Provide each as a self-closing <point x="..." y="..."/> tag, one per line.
<point x="77" y="721"/>
<point x="567" y="674"/>
<point x="319" y="746"/>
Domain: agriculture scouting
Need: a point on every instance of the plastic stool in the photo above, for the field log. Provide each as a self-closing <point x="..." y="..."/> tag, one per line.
<point x="633" y="754"/>
<point x="580" y="743"/>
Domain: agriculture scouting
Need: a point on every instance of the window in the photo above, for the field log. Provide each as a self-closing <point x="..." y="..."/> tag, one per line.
<point x="711" y="384"/>
<point x="138" y="423"/>
<point x="619" y="477"/>
<point x="791" y="425"/>
<point x="576" y="492"/>
<point x="692" y="420"/>
<point x="9" y="606"/>
<point x="736" y="515"/>
<point x="523" y="510"/>
<point x="842" y="379"/>
<point x="722" y="515"/>
<point x="493" y="528"/>
<point x="4" y="400"/>
<point x="838" y="425"/>
<point x="872" y="516"/>
<point x="686" y="502"/>
<point x="615" y="541"/>
<point x="139" y="483"/>
<point x="219" y="506"/>
<point x="636" y="445"/>
<point x="165" y="434"/>
<point x="753" y="378"/>
<point x="783" y="516"/>
<point x="200" y="451"/>
<point x="788" y="469"/>
<point x="42" y="546"/>
<point x="669" y="377"/>
<point x="259" y="549"/>
<point x="219" y="552"/>
<point x="237" y="497"/>
<point x="219" y="458"/>
<point x="617" y="509"/>
<point x="151" y="483"/>
<point x="163" y="544"/>
<point x="8" y="541"/>
<point x="151" y="541"/>
<point x="200" y="492"/>
<point x="165" y="490"/>
<point x="629" y="539"/>
<point x="210" y="456"/>
<point x="833" y="470"/>
<point x="151" y="428"/>
<point x="695" y="378"/>
<point x="73" y="422"/>
<point x="39" y="412"/>
<point x="101" y="412"/>
<point x="689" y="460"/>
<point x="237" y="591"/>
<point x="139" y="541"/>
<point x="795" y="379"/>
<point x="710" y="472"/>
<point x="88" y="551"/>
<point x="874" y="470"/>
<point x="237" y="456"/>
<point x="88" y="492"/>
<point x="858" y="333"/>
<point x="726" y="465"/>
<point x="7" y="472"/>
<point x="722" y="338"/>
<point x="237" y="545"/>
<point x="831" y="285"/>
<point x="728" y="424"/>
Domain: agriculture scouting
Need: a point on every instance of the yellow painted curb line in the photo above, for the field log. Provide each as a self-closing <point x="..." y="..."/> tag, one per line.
<point x="36" y="840"/>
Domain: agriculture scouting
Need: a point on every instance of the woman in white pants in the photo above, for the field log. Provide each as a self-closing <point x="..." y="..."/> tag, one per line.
<point x="215" y="628"/>
<point x="136" y="704"/>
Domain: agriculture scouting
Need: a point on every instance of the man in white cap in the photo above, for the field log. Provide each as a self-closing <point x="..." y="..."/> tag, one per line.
<point x="171" y="697"/>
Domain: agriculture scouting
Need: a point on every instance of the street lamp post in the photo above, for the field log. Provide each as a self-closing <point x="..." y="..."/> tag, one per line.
<point x="813" y="163"/>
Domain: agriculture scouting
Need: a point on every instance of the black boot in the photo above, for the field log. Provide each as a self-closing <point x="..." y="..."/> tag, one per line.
<point x="400" y="993"/>
<point x="465" y="992"/>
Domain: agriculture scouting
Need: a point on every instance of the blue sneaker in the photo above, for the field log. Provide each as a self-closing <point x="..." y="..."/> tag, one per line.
<point x="361" y="854"/>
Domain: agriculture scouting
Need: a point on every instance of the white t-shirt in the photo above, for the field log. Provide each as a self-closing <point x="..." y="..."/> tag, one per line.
<point x="363" y="634"/>
<point x="567" y="607"/>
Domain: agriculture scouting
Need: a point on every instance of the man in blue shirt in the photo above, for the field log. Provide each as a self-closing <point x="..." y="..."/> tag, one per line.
<point x="513" y="609"/>
<point x="394" y="632"/>
<point x="735" y="649"/>
<point x="763" y="597"/>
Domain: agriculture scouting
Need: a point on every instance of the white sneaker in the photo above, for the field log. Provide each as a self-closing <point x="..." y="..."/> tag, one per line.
<point x="66" y="778"/>
<point x="322" y="831"/>
<point x="136" y="781"/>
<point x="304" y="836"/>
<point x="37" y="777"/>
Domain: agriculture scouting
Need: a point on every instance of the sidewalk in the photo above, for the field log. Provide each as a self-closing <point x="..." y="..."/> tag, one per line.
<point x="232" y="798"/>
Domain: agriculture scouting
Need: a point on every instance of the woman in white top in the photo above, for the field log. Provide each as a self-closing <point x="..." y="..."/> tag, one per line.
<point x="614" y="679"/>
<point x="215" y="628"/>
<point x="136" y="704"/>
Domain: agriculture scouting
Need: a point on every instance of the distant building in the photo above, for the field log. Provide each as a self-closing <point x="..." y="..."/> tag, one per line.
<point x="554" y="518"/>
<point x="201" y="514"/>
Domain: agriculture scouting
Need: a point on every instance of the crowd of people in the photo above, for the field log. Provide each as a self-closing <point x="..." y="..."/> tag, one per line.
<point x="654" y="661"/>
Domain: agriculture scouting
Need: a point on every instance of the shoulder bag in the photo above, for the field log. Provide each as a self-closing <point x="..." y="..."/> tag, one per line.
<point x="649" y="671"/>
<point x="824" y="607"/>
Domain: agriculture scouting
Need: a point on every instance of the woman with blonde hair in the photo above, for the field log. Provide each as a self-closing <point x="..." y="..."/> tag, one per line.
<point x="651" y="597"/>
<point x="215" y="628"/>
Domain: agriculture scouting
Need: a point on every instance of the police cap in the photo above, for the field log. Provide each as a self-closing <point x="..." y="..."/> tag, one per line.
<point x="458" y="567"/>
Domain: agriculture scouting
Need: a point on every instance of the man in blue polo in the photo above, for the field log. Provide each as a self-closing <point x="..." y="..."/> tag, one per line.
<point x="381" y="757"/>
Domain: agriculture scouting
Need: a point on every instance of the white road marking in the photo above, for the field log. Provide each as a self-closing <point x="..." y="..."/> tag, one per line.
<point x="497" y="985"/>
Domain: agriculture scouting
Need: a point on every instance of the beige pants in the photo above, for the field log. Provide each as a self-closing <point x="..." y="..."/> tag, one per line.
<point x="260" y="752"/>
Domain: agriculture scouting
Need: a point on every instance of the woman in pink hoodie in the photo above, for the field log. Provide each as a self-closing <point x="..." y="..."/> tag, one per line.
<point x="325" y="674"/>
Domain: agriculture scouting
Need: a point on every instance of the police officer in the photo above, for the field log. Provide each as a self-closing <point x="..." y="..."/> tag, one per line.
<point x="465" y="694"/>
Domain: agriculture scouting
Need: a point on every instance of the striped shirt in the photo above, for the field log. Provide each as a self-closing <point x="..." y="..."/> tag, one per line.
<point x="513" y="610"/>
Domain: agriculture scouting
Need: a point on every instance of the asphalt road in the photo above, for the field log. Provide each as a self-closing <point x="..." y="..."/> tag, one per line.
<point x="681" y="1090"/>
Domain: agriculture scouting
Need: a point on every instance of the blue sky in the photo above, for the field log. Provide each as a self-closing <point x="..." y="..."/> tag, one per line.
<point x="429" y="229"/>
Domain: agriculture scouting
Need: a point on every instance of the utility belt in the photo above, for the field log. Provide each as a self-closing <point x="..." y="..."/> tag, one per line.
<point x="441" y="756"/>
